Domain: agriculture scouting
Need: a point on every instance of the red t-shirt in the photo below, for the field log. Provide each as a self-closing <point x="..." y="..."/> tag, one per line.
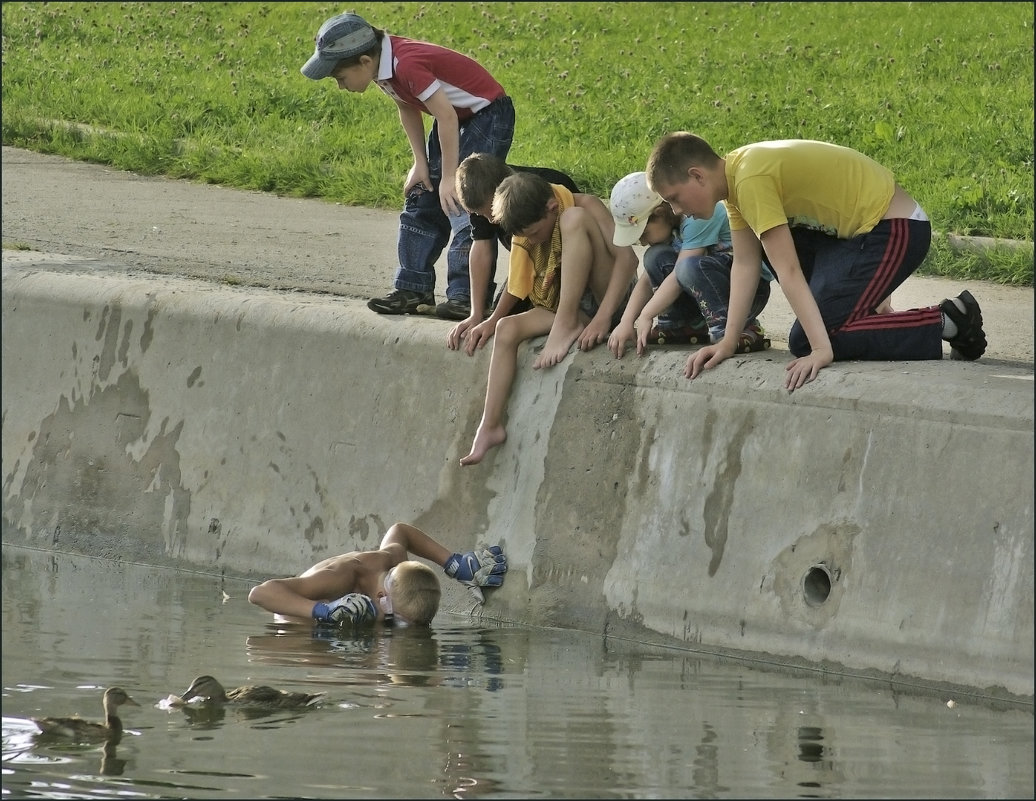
<point x="411" y="71"/>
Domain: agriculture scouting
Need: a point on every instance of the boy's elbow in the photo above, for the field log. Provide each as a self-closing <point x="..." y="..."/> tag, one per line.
<point x="257" y="594"/>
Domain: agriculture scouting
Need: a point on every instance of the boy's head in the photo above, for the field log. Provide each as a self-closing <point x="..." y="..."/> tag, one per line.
<point x="478" y="177"/>
<point x="632" y="204"/>
<point x="413" y="592"/>
<point x="523" y="204"/>
<point x="682" y="168"/>
<point x="345" y="37"/>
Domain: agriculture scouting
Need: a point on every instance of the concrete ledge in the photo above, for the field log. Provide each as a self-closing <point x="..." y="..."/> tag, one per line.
<point x="878" y="521"/>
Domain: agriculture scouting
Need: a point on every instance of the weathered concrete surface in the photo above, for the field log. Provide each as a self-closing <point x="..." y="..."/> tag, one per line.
<point x="879" y="521"/>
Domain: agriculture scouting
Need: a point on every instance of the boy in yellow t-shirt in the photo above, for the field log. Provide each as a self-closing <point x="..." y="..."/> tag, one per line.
<point x="564" y="261"/>
<point x="839" y="233"/>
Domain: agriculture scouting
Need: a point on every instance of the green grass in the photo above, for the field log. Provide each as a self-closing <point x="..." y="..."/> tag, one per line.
<point x="942" y="93"/>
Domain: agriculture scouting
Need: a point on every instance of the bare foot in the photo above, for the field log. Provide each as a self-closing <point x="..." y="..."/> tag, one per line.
<point x="559" y="341"/>
<point x="486" y="438"/>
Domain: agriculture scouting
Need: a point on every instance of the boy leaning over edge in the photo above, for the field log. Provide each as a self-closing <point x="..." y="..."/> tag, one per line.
<point x="839" y="233"/>
<point x="478" y="177"/>
<point x="686" y="278"/>
<point x="564" y="261"/>
<point x="472" y="113"/>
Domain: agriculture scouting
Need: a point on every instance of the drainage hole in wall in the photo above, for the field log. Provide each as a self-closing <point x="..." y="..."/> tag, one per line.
<point x="816" y="585"/>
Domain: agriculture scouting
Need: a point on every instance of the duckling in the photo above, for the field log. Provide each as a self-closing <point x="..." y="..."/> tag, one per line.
<point x="209" y="690"/>
<point x="84" y="731"/>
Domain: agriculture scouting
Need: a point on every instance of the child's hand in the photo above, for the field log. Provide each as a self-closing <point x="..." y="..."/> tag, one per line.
<point x="483" y="567"/>
<point x="460" y="331"/>
<point x="354" y="609"/>
<point x="448" y="198"/>
<point x="478" y="336"/>
<point x="706" y="358"/>
<point x="622" y="334"/>
<point x="594" y="334"/>
<point x="644" y="325"/>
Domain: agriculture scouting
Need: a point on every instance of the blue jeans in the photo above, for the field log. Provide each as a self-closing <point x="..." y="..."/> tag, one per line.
<point x="708" y="280"/>
<point x="659" y="262"/>
<point x="424" y="229"/>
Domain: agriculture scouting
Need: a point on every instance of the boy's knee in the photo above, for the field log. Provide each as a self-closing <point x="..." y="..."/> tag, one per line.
<point x="688" y="272"/>
<point x="659" y="261"/>
<point x="575" y="221"/>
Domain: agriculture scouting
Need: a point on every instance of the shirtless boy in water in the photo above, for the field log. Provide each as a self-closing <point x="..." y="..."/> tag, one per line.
<point x="340" y="590"/>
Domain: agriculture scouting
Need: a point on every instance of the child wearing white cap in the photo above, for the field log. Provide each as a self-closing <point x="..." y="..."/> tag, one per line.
<point x="471" y="114"/>
<point x="686" y="278"/>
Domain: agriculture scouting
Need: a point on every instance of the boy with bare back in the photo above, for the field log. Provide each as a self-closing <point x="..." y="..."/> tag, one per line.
<point x="564" y="261"/>
<point x="341" y="590"/>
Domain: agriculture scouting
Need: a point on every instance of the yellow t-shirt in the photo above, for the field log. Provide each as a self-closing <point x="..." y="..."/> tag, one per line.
<point x="809" y="184"/>
<point x="534" y="271"/>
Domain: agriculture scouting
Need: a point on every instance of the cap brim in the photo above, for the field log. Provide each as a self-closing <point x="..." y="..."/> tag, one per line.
<point x="627" y="235"/>
<point x="318" y="68"/>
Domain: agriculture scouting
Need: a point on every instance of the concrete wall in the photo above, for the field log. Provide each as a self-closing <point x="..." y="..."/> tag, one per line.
<point x="878" y="521"/>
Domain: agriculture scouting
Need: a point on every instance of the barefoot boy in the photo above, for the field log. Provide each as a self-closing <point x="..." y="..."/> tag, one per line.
<point x="564" y="261"/>
<point x="478" y="178"/>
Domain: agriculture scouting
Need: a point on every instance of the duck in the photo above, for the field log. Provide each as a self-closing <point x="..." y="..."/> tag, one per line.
<point x="208" y="690"/>
<point x="84" y="731"/>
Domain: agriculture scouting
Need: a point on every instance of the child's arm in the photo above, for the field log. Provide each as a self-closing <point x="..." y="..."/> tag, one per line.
<point x="625" y="330"/>
<point x="413" y="126"/>
<point x="780" y="252"/>
<point x="666" y="295"/>
<point x="415" y="541"/>
<point x="744" y="279"/>
<point x="484" y="331"/>
<point x="624" y="269"/>
<point x="297" y="596"/>
<point x="483" y="567"/>
<point x="480" y="264"/>
<point x="449" y="143"/>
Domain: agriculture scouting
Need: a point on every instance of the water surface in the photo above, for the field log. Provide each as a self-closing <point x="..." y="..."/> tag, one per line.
<point x="464" y="710"/>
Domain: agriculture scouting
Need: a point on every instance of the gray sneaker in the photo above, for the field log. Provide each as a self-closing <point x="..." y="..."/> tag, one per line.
<point x="402" y="301"/>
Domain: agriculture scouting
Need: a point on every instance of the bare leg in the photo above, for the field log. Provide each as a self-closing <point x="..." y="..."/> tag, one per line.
<point x="510" y="333"/>
<point x="577" y="255"/>
<point x="586" y="263"/>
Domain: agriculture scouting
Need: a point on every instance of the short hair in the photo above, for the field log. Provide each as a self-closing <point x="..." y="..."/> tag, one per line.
<point x="521" y="200"/>
<point x="415" y="592"/>
<point x="676" y="153"/>
<point x="374" y="52"/>
<point x="478" y="177"/>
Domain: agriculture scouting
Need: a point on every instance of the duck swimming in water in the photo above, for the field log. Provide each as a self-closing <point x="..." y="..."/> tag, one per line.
<point x="86" y="731"/>
<point x="209" y="690"/>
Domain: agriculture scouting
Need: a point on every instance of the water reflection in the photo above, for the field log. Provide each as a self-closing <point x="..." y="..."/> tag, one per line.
<point x="460" y="709"/>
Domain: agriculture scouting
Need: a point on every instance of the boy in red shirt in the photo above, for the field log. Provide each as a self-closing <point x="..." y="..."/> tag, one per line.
<point x="472" y="113"/>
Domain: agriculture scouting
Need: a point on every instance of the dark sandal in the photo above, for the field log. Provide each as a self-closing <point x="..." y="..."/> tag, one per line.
<point x="970" y="342"/>
<point x="749" y="343"/>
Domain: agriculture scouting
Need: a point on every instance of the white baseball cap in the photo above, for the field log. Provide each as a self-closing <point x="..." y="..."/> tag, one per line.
<point x="631" y="205"/>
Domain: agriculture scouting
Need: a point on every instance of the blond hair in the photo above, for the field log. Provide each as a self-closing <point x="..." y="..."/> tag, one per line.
<point x="415" y="592"/>
<point x="676" y="153"/>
